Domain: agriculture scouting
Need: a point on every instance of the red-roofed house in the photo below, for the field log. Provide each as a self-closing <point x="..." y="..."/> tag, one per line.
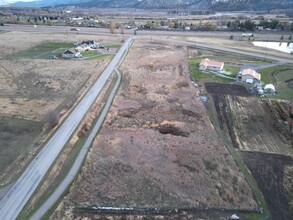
<point x="207" y="64"/>
<point x="249" y="75"/>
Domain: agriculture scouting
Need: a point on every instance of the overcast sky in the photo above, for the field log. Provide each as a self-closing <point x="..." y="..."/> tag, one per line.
<point x="11" y="1"/>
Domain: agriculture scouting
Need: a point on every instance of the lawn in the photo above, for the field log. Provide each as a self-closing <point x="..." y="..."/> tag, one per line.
<point x="89" y="53"/>
<point x="277" y="75"/>
<point x="113" y="46"/>
<point x="41" y="51"/>
<point x="233" y="70"/>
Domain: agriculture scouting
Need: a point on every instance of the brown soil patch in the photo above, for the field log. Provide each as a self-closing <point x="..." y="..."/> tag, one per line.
<point x="226" y="89"/>
<point x="158" y="147"/>
<point x="274" y="176"/>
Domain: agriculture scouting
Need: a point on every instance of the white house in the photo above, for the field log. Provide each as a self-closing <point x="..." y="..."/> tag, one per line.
<point x="71" y="53"/>
<point x="249" y="75"/>
<point x="207" y="64"/>
<point x="83" y="47"/>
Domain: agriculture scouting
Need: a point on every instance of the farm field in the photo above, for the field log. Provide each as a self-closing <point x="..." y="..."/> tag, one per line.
<point x="32" y="86"/>
<point x="157" y="147"/>
<point x="258" y="129"/>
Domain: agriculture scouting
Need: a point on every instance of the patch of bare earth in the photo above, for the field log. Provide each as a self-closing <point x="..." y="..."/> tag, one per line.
<point x="157" y="147"/>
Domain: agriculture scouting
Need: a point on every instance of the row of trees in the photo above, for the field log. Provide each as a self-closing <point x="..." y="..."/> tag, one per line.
<point x="247" y="25"/>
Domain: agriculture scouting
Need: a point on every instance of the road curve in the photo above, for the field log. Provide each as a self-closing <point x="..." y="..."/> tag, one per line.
<point x="79" y="160"/>
<point x="18" y="195"/>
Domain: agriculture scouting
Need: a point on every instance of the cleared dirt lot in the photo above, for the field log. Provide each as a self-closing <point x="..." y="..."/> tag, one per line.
<point x="30" y="88"/>
<point x="158" y="147"/>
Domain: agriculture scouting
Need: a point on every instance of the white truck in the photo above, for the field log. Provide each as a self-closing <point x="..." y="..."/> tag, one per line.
<point x="247" y="35"/>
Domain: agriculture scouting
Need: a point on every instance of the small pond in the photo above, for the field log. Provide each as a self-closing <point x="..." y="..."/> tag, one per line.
<point x="281" y="46"/>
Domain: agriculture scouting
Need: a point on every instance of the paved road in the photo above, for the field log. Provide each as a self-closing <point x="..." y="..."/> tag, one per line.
<point x="18" y="195"/>
<point x="79" y="160"/>
<point x="159" y="36"/>
<point x="105" y="31"/>
<point x="281" y="60"/>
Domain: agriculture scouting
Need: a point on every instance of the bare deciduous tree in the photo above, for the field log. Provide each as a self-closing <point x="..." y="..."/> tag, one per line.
<point x="112" y="28"/>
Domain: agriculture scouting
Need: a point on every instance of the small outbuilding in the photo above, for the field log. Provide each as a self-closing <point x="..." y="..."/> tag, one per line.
<point x="270" y="88"/>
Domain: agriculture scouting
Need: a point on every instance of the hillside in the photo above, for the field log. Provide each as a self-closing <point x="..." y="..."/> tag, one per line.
<point x="253" y="5"/>
<point x="218" y="5"/>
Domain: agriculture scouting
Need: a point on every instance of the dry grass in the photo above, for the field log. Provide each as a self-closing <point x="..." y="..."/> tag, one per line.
<point x="30" y="88"/>
<point x="158" y="147"/>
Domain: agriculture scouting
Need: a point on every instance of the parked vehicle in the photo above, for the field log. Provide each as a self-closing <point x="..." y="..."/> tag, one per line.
<point x="247" y="35"/>
<point x="74" y="29"/>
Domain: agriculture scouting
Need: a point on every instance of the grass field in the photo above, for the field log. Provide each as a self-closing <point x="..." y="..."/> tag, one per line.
<point x="277" y="75"/>
<point x="100" y="57"/>
<point x="16" y="136"/>
<point x="41" y="51"/>
<point x="113" y="46"/>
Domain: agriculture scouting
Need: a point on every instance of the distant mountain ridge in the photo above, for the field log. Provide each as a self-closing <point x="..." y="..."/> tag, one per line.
<point x="219" y="5"/>
<point x="43" y="3"/>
